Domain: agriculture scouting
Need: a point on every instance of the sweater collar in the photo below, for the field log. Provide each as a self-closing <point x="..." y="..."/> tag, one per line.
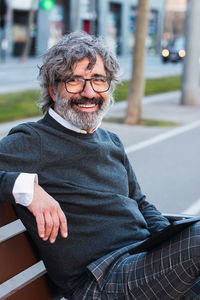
<point x="66" y="123"/>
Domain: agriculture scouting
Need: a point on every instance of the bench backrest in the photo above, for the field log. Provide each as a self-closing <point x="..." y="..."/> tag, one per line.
<point x="22" y="273"/>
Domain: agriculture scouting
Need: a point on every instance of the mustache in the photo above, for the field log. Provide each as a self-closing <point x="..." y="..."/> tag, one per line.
<point x="84" y="100"/>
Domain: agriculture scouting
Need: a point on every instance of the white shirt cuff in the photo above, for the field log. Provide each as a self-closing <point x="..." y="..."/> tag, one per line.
<point x="23" y="188"/>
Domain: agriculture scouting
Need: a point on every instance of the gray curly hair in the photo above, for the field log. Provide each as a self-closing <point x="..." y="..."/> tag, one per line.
<point x="60" y="60"/>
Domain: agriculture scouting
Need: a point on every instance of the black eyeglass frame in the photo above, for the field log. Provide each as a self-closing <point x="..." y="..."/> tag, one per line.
<point x="85" y="79"/>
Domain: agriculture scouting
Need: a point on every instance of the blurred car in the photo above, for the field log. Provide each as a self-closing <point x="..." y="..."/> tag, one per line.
<point x="174" y="51"/>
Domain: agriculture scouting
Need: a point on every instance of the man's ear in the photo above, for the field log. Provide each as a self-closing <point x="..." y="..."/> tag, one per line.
<point x="52" y="93"/>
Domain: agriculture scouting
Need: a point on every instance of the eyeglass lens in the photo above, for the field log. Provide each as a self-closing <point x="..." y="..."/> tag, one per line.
<point x="77" y="85"/>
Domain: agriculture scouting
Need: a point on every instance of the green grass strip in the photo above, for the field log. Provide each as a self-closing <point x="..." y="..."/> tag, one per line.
<point x="145" y="122"/>
<point x="14" y="106"/>
<point x="152" y="86"/>
<point x="19" y="105"/>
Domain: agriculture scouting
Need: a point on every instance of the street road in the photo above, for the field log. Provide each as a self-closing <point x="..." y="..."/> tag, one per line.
<point x="17" y="76"/>
<point x="154" y="67"/>
<point x="169" y="172"/>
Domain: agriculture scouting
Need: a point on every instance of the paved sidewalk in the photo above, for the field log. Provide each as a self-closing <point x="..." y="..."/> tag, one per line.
<point x="18" y="76"/>
<point x="157" y="107"/>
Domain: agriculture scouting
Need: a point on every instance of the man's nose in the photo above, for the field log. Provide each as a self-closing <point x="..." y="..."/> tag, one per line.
<point x="88" y="90"/>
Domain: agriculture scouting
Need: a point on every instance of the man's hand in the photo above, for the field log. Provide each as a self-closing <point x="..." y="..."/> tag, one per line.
<point x="49" y="216"/>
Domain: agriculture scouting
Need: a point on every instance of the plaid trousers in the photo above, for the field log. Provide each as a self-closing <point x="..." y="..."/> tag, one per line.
<point x="170" y="271"/>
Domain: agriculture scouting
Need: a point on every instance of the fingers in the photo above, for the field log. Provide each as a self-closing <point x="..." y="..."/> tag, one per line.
<point x="52" y="228"/>
<point x="56" y="221"/>
<point x="49" y="215"/>
<point x="50" y="224"/>
<point x="53" y="223"/>
<point x="40" y="225"/>
<point x="59" y="222"/>
<point x="63" y="224"/>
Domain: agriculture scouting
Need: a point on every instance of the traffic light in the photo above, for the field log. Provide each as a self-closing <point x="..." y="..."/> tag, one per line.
<point x="47" y="4"/>
<point x="3" y="9"/>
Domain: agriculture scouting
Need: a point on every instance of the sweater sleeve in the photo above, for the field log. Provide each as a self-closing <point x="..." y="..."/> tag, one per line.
<point x="7" y="180"/>
<point x="19" y="152"/>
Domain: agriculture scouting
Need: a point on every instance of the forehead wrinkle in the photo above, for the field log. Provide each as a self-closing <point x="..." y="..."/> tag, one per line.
<point x="91" y="62"/>
<point x="82" y="68"/>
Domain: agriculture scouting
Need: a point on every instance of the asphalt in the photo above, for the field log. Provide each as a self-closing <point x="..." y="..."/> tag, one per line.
<point x="165" y="107"/>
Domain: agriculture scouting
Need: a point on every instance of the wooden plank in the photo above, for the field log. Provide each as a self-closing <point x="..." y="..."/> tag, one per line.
<point x="20" y="280"/>
<point x="22" y="277"/>
<point x="7" y="214"/>
<point x="16" y="254"/>
<point x="10" y="230"/>
<point x="37" y="289"/>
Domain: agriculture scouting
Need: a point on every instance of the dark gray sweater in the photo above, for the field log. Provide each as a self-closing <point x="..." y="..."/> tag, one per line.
<point x="95" y="185"/>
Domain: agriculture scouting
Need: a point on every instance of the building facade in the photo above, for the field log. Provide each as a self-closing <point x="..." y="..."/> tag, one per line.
<point x="114" y="19"/>
<point x="175" y="13"/>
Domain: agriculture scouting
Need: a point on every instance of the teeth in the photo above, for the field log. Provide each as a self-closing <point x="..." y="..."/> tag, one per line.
<point x="87" y="106"/>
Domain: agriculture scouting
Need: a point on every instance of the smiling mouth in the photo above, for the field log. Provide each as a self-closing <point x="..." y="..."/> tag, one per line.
<point x="87" y="105"/>
<point x="86" y="102"/>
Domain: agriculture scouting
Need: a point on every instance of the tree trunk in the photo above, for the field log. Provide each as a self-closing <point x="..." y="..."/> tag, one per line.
<point x="136" y="92"/>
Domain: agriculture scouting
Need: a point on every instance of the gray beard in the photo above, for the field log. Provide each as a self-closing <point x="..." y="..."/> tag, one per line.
<point x="80" y="119"/>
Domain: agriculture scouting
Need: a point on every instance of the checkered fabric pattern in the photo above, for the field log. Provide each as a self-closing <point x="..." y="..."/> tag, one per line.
<point x="170" y="271"/>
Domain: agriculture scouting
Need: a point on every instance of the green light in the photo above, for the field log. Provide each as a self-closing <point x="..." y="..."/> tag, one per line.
<point x="47" y="4"/>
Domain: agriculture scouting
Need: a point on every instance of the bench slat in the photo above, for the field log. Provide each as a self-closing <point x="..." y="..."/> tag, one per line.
<point x="10" y="230"/>
<point x="17" y="282"/>
<point x="36" y="290"/>
<point x="16" y="254"/>
<point x="22" y="273"/>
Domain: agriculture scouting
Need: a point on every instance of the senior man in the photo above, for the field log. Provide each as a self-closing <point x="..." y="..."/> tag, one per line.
<point x="65" y="169"/>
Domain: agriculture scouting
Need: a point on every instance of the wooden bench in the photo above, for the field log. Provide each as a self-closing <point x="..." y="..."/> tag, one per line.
<point x="22" y="273"/>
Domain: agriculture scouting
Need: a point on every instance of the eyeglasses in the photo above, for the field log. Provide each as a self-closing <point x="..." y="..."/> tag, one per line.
<point x="76" y="85"/>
